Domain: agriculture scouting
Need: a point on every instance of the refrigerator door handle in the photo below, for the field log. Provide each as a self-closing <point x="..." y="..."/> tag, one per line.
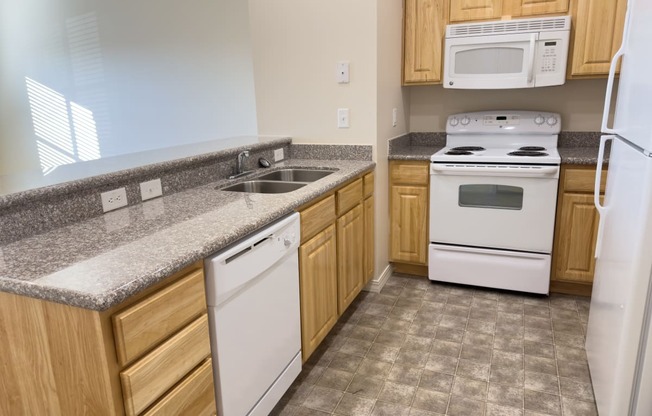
<point x="596" y="193"/>
<point x="612" y="74"/>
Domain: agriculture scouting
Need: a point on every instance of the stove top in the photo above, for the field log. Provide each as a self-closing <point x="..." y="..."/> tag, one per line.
<point x="507" y="137"/>
<point x="504" y="155"/>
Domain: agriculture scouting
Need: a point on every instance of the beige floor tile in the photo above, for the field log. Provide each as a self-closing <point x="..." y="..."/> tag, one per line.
<point x="542" y="402"/>
<point x="546" y="383"/>
<point x="505" y="395"/>
<point x="365" y="386"/>
<point x="441" y="382"/>
<point x="374" y="368"/>
<point x="352" y="405"/>
<point x="461" y="406"/>
<point x="441" y="363"/>
<point x="573" y="407"/>
<point x="473" y="369"/>
<point x="397" y="393"/>
<point x="335" y="379"/>
<point x="498" y="410"/>
<point x="429" y="400"/>
<point x="405" y="375"/>
<point x="471" y="389"/>
<point x="323" y="399"/>
<point x="390" y="409"/>
<point x="383" y="352"/>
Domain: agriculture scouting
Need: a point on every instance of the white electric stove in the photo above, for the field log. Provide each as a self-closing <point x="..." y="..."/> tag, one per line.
<point x="493" y="193"/>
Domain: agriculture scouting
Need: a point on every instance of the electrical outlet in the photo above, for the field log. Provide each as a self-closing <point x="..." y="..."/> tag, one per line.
<point x="151" y="189"/>
<point x="278" y="155"/>
<point x="114" y="199"/>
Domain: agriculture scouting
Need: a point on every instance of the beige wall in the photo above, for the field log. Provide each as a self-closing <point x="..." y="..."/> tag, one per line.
<point x="296" y="45"/>
<point x="579" y="102"/>
<point x="390" y="96"/>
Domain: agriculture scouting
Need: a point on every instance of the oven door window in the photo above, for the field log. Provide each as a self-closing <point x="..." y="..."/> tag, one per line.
<point x="491" y="196"/>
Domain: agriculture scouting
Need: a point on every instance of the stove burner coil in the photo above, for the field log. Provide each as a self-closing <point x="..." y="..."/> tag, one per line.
<point x="470" y="148"/>
<point x="532" y="148"/>
<point x="526" y="153"/>
<point x="459" y="152"/>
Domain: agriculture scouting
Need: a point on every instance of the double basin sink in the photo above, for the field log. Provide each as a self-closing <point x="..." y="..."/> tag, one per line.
<point x="280" y="181"/>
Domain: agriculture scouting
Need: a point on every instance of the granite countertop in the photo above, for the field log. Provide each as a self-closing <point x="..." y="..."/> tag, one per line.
<point x="575" y="148"/>
<point x="98" y="263"/>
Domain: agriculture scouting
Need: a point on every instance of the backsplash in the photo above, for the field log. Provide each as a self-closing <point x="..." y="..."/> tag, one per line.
<point x="566" y="139"/>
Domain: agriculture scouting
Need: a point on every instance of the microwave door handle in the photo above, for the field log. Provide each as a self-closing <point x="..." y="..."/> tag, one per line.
<point x="530" y="70"/>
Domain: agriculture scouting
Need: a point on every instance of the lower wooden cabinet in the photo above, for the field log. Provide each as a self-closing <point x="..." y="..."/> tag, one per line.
<point x="318" y="283"/>
<point x="350" y="256"/>
<point x="409" y="204"/>
<point x="576" y="229"/>
<point x="335" y="257"/>
<point x="149" y="355"/>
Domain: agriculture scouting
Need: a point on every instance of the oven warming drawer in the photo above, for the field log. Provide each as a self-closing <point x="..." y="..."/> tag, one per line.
<point x="500" y="269"/>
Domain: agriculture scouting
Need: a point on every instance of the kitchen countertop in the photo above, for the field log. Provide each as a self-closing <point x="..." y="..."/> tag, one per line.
<point x="99" y="262"/>
<point x="402" y="149"/>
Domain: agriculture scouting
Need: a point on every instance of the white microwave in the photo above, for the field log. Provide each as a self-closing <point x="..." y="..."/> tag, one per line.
<point x="521" y="53"/>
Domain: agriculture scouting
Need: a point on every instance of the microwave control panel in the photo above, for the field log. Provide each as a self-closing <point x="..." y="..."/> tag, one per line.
<point x="549" y="56"/>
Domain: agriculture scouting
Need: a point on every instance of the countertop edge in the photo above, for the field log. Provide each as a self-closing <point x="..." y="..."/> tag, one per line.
<point x="161" y="270"/>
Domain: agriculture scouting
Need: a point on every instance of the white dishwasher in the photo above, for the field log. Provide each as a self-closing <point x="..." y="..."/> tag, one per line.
<point x="252" y="291"/>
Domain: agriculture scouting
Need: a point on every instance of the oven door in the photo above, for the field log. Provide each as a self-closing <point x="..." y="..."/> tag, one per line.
<point x="493" y="206"/>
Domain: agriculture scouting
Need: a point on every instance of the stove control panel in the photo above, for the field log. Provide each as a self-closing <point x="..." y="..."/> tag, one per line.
<point x="516" y="122"/>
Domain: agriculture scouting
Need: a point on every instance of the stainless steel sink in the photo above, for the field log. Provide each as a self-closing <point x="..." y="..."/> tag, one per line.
<point x="296" y="175"/>
<point x="264" y="187"/>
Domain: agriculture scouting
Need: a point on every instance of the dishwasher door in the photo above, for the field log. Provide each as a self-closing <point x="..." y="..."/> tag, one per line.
<point x="252" y="291"/>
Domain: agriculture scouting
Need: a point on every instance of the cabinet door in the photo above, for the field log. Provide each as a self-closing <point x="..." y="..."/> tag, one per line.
<point x="318" y="282"/>
<point x="350" y="256"/>
<point x="461" y="11"/>
<point x="408" y="229"/>
<point x="369" y="240"/>
<point x="598" y="26"/>
<point x="534" y="7"/>
<point x="577" y="232"/>
<point x="424" y="25"/>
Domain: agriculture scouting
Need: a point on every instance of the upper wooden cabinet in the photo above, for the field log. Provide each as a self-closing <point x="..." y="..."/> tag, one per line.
<point x="424" y="24"/>
<point x="468" y="10"/>
<point x="597" y="27"/>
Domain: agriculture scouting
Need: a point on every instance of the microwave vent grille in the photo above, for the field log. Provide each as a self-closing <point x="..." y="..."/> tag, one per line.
<point x="509" y="26"/>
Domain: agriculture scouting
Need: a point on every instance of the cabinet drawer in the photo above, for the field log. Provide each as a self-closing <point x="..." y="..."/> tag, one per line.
<point x="368" y="184"/>
<point x="146" y="380"/>
<point x="415" y="173"/>
<point x="349" y="196"/>
<point x="193" y="396"/>
<point x="145" y="324"/>
<point x="317" y="217"/>
<point x="582" y="180"/>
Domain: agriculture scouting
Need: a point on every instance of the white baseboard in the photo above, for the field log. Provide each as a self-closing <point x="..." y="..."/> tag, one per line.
<point x="377" y="284"/>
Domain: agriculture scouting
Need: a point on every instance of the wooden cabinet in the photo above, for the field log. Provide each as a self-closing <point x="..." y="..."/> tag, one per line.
<point x="335" y="257"/>
<point x="318" y="283"/>
<point x="468" y="10"/>
<point x="576" y="230"/>
<point x="350" y="256"/>
<point x="148" y="355"/>
<point x="424" y="26"/>
<point x="409" y="212"/>
<point x="597" y="27"/>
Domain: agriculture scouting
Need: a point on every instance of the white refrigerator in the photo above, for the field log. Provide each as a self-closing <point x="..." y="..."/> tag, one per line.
<point x="619" y="341"/>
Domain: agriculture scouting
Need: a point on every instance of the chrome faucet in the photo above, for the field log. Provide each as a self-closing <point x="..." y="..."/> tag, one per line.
<point x="239" y="169"/>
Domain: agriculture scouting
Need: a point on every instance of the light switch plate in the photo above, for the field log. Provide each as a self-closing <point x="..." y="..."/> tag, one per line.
<point x="343" y="118"/>
<point x="151" y="189"/>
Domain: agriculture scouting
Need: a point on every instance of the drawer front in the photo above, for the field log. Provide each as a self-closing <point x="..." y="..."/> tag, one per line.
<point x="409" y="173"/>
<point x="368" y="184"/>
<point x="349" y="196"/>
<point x="317" y="217"/>
<point x="147" y="323"/>
<point x="582" y="180"/>
<point x="146" y="380"/>
<point x="193" y="396"/>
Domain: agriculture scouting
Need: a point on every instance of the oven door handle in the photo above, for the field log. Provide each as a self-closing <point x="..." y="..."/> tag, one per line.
<point x="530" y="171"/>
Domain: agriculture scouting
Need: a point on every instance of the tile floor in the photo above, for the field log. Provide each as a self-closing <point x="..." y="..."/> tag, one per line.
<point x="422" y="348"/>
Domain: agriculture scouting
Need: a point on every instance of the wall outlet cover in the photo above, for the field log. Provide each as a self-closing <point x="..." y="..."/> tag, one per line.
<point x="278" y="155"/>
<point x="114" y="199"/>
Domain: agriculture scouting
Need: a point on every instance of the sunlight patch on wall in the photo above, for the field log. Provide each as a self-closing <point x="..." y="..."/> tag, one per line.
<point x="66" y="131"/>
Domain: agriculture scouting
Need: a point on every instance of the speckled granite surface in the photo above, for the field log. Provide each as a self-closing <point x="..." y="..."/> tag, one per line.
<point x="36" y="211"/>
<point x="330" y="151"/>
<point x="575" y="148"/>
<point x="99" y="262"/>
